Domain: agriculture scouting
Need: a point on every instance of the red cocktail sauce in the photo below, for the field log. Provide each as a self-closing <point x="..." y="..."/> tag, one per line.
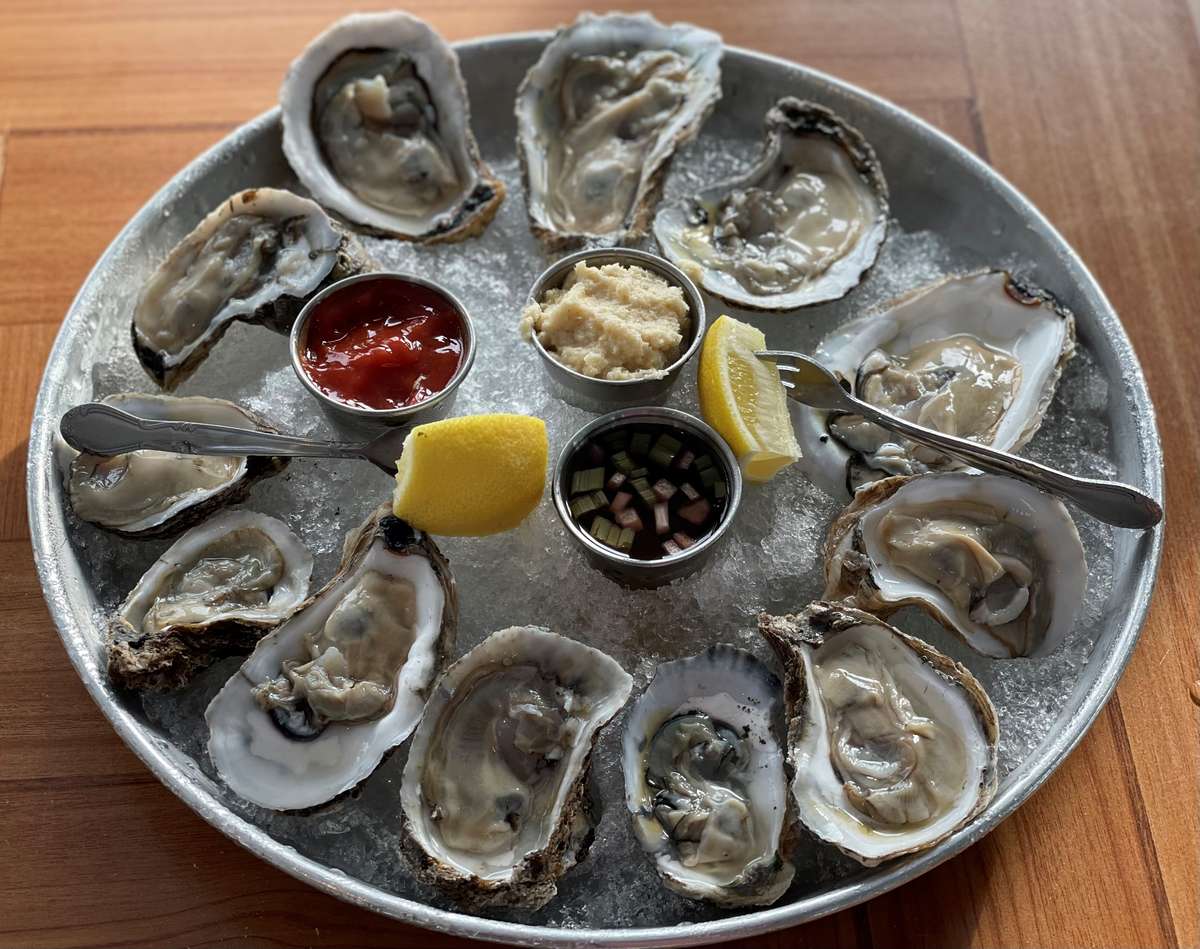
<point x="382" y="344"/>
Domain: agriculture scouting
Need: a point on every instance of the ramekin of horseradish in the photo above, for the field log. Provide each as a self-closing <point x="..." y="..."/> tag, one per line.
<point x="647" y="493"/>
<point x="383" y="349"/>
<point x="613" y="327"/>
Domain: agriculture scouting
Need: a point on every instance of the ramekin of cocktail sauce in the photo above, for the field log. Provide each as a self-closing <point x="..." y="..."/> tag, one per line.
<point x="383" y="349"/>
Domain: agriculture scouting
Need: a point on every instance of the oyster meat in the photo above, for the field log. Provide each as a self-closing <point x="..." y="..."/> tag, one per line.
<point x="599" y="116"/>
<point x="800" y="227"/>
<point x="157" y="493"/>
<point x="325" y="696"/>
<point x="495" y="789"/>
<point x="704" y="778"/>
<point x="977" y="356"/>
<point x="992" y="558"/>
<point x="257" y="258"/>
<point x="213" y="593"/>
<point x="377" y="125"/>
<point x="892" y="744"/>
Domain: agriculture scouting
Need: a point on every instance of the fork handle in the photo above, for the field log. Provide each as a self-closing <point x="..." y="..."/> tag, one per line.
<point x="100" y="429"/>
<point x="1121" y="505"/>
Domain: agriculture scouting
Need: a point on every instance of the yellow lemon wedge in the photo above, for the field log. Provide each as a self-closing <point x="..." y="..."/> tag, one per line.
<point x="742" y="397"/>
<point x="473" y="475"/>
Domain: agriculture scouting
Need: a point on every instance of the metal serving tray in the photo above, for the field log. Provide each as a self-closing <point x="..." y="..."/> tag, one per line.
<point x="941" y="193"/>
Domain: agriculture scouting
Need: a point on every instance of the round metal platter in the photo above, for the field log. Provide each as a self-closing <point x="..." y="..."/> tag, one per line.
<point x="947" y="205"/>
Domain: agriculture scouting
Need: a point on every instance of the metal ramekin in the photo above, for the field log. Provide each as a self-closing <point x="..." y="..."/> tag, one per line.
<point x="622" y="567"/>
<point x="600" y="394"/>
<point x="373" y="421"/>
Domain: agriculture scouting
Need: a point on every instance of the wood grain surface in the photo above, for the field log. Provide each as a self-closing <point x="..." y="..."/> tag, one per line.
<point x="1091" y="108"/>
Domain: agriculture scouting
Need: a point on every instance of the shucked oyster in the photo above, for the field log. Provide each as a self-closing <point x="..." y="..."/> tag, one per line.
<point x="800" y="227"/>
<point x="977" y="356"/>
<point x="704" y="778"/>
<point x="494" y="791"/>
<point x="992" y="558"/>
<point x="377" y="125"/>
<point x="213" y="593"/>
<point x="599" y="116"/>
<point x="257" y="258"/>
<point x="892" y="745"/>
<point x="157" y="493"/>
<point x="325" y="696"/>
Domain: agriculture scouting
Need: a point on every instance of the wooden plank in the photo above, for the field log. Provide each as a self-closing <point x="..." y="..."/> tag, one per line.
<point x="65" y="197"/>
<point x="166" y="64"/>
<point x="1096" y="118"/>
<point x="45" y="697"/>
<point x="142" y="865"/>
<point x="27" y="346"/>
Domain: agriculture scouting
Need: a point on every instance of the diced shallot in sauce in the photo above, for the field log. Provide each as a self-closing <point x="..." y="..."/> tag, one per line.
<point x="697" y="512"/>
<point x="620" y="502"/>
<point x="628" y="517"/>
<point x="662" y="518"/>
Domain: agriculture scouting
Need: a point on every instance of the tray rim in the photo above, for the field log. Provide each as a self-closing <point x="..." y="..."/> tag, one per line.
<point x="337" y="883"/>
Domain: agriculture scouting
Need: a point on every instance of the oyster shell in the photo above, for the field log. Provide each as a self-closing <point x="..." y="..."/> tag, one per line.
<point x="377" y="125"/>
<point x="256" y="258"/>
<point x="495" y="788"/>
<point x="213" y="593"/>
<point x="991" y="558"/>
<point x="328" y="694"/>
<point x="704" y="778"/>
<point x="159" y="494"/>
<point x="802" y="226"/>
<point x="892" y="745"/>
<point x="977" y="355"/>
<point x="599" y="116"/>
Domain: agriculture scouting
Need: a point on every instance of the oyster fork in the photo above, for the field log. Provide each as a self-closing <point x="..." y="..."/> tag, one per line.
<point x="100" y="429"/>
<point x="1113" y="502"/>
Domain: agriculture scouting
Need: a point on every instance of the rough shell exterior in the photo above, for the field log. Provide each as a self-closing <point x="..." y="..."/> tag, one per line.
<point x="278" y="314"/>
<point x="392" y="29"/>
<point x="792" y="116"/>
<point x="639" y="29"/>
<point x="789" y="635"/>
<point x="601" y="687"/>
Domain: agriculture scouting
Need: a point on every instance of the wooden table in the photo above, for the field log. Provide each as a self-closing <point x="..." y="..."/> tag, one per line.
<point x="1092" y="109"/>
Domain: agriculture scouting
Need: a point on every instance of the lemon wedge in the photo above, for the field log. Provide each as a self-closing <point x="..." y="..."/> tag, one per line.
<point x="470" y="476"/>
<point x="742" y="397"/>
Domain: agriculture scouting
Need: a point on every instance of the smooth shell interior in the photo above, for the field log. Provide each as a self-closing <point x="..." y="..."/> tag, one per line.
<point x="285" y="596"/>
<point x="818" y="790"/>
<point x="1042" y="516"/>
<point x="262" y="764"/>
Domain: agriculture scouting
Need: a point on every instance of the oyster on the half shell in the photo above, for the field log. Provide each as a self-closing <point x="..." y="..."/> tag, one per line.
<point x="156" y="493"/>
<point x="802" y="226"/>
<point x="993" y="559"/>
<point x="495" y="789"/>
<point x="257" y="258"/>
<point x="892" y="745"/>
<point x="600" y="115"/>
<point x="327" y="694"/>
<point x="377" y="125"/>
<point x="213" y="593"/>
<point x="977" y="356"/>
<point x="704" y="778"/>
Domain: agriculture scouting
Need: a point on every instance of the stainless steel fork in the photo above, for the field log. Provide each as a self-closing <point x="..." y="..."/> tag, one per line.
<point x="1121" y="505"/>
